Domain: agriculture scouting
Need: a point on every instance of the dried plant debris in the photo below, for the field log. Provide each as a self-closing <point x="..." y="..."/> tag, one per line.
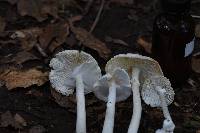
<point x="196" y="64"/>
<point x="54" y="34"/>
<point x="197" y="30"/>
<point x="39" y="9"/>
<point x="2" y="24"/>
<point x="88" y="40"/>
<point x="23" y="78"/>
<point x="48" y="38"/>
<point x="37" y="129"/>
<point x="145" y="43"/>
<point x="68" y="102"/>
<point x="19" y="58"/>
<point x="16" y="121"/>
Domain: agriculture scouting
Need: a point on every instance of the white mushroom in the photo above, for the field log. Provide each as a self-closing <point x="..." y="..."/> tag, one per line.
<point x="73" y="69"/>
<point x="112" y="88"/>
<point x="139" y="68"/>
<point x="157" y="92"/>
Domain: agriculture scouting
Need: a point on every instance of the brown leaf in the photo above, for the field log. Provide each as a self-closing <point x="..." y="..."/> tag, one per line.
<point x="37" y="8"/>
<point x="37" y="129"/>
<point x="27" y="37"/>
<point x="196" y="64"/>
<point x="145" y="43"/>
<point x="2" y="24"/>
<point x="64" y="101"/>
<point x="19" y="58"/>
<point x="26" y="78"/>
<point x="17" y="121"/>
<point x="23" y="56"/>
<point x="90" y="41"/>
<point x="57" y="32"/>
<point x="6" y="119"/>
<point x="20" y="120"/>
<point x="49" y="37"/>
<point x="197" y="30"/>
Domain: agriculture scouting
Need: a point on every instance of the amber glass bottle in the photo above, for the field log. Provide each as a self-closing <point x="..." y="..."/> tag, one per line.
<point x="173" y="40"/>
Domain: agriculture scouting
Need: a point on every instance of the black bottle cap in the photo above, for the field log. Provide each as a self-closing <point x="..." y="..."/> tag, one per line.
<point x="176" y="6"/>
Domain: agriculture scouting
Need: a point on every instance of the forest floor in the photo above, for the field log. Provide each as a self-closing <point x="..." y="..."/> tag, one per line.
<point x="32" y="32"/>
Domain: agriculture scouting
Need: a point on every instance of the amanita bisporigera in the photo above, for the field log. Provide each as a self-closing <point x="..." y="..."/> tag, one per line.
<point x="157" y="92"/>
<point x="73" y="69"/>
<point x="139" y="68"/>
<point x="112" y="88"/>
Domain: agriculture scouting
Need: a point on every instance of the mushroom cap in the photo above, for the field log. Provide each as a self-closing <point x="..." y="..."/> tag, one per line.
<point x="150" y="95"/>
<point x="123" y="86"/>
<point x="148" y="66"/>
<point x="67" y="65"/>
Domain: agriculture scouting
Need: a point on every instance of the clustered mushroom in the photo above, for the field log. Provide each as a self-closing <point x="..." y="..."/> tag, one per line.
<point x="74" y="70"/>
<point x="139" y="68"/>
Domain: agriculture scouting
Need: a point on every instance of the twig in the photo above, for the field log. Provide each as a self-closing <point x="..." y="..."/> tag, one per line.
<point x="40" y="50"/>
<point x="94" y="23"/>
<point x="97" y="17"/>
<point x="195" y="16"/>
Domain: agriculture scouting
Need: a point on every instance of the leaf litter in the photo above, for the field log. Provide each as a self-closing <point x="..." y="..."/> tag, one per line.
<point x="39" y="42"/>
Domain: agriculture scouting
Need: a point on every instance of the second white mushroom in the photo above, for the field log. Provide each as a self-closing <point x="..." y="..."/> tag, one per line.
<point x="112" y="88"/>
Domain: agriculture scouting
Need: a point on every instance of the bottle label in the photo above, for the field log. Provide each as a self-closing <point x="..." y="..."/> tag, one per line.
<point x="189" y="48"/>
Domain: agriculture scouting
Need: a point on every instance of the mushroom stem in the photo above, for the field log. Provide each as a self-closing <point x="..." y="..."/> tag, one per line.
<point x="81" y="113"/>
<point x="168" y="124"/>
<point x="137" y="108"/>
<point x="110" y="110"/>
<point x="161" y="93"/>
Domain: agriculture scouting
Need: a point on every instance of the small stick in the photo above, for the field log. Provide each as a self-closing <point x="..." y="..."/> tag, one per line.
<point x="195" y="16"/>
<point x="40" y="50"/>
<point x="97" y="17"/>
<point x="94" y="23"/>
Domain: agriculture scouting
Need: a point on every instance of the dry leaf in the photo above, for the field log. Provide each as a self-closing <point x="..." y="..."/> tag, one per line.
<point x="55" y="34"/>
<point x="90" y="41"/>
<point x="64" y="101"/>
<point x="145" y="43"/>
<point x="27" y="37"/>
<point x="23" y="56"/>
<point x="197" y="30"/>
<point x="26" y="78"/>
<point x="17" y="121"/>
<point x="196" y="64"/>
<point x="2" y="24"/>
<point x="37" y="8"/>
<point x="20" y="120"/>
<point x="49" y="37"/>
<point x="18" y="58"/>
<point x="6" y="119"/>
<point x="37" y="129"/>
